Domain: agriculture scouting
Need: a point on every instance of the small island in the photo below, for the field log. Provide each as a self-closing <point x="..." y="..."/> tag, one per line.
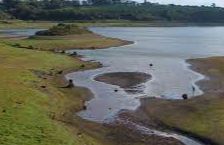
<point x="63" y="29"/>
<point x="65" y="36"/>
<point x="125" y="80"/>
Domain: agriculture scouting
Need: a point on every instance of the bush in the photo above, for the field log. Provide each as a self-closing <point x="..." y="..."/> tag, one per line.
<point x="63" y="29"/>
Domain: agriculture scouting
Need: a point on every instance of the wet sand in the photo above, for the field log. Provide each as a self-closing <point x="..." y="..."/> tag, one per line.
<point x="129" y="81"/>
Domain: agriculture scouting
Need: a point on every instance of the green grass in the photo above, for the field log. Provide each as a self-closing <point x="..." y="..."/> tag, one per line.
<point x="63" y="30"/>
<point x="25" y="108"/>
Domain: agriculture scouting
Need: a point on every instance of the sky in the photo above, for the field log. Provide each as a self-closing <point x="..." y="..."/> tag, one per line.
<point x="189" y="2"/>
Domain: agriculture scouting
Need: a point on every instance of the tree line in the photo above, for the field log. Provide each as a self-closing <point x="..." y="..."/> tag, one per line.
<point x="108" y="9"/>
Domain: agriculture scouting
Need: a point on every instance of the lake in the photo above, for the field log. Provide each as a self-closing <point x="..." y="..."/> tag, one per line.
<point x="167" y="48"/>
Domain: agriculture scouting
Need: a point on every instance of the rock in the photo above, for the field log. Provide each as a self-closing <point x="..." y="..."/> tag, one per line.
<point x="116" y="90"/>
<point x="150" y="64"/>
<point x="18" y="102"/>
<point x="82" y="66"/>
<point x="60" y="72"/>
<point x="30" y="47"/>
<point x="59" y="51"/>
<point x="84" y="107"/>
<point x="185" y="96"/>
<point x="79" y="134"/>
<point x="43" y="86"/>
<point x="73" y="54"/>
<point x="3" y="110"/>
<point x="69" y="85"/>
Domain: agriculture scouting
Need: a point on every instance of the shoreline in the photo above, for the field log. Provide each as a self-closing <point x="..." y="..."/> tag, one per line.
<point x="163" y="140"/>
<point x="208" y="85"/>
<point x="15" y="24"/>
<point x="188" y="135"/>
<point x="177" y="130"/>
<point x="60" y="79"/>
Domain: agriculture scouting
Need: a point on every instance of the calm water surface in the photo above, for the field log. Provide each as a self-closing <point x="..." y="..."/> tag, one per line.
<point x="18" y="32"/>
<point x="167" y="48"/>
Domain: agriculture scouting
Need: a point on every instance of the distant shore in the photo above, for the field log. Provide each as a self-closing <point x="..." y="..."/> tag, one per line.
<point x="18" y="24"/>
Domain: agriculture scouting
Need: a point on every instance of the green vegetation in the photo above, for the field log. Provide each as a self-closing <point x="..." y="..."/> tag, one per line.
<point x="63" y="29"/>
<point x="110" y="10"/>
<point x="201" y="116"/>
<point x="26" y="108"/>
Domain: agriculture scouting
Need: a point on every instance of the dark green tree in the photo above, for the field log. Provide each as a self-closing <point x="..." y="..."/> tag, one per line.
<point x="10" y="3"/>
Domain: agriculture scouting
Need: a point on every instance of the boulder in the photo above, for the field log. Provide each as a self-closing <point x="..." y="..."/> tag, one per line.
<point x="185" y="96"/>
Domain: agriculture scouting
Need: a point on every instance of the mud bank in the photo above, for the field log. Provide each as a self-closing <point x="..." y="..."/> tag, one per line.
<point x="129" y="81"/>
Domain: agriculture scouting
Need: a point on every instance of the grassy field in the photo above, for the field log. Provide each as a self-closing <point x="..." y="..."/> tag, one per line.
<point x="26" y="108"/>
<point x="201" y="116"/>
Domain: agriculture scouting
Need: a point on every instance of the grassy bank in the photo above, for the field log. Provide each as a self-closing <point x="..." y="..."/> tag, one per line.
<point x="30" y="102"/>
<point x="201" y="116"/>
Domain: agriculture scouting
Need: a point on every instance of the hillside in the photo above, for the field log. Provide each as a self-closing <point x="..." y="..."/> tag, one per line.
<point x="101" y="10"/>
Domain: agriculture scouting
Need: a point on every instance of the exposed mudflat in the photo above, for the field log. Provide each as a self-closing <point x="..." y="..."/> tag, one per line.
<point x="129" y="81"/>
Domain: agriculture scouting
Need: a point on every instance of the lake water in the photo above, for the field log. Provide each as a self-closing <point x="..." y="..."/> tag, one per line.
<point x="19" y="32"/>
<point x="167" y="48"/>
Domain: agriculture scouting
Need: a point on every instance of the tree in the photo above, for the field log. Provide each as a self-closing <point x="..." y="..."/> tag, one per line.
<point x="10" y="3"/>
<point x="213" y="5"/>
<point x="101" y="2"/>
<point x="53" y="4"/>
